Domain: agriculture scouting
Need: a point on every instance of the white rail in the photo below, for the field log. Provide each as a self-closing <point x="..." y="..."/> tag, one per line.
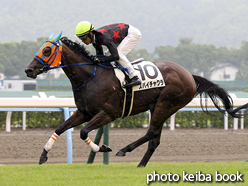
<point x="37" y="102"/>
<point x="54" y="104"/>
<point x="69" y="102"/>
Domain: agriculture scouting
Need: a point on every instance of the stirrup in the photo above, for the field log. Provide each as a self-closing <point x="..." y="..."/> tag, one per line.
<point x="134" y="83"/>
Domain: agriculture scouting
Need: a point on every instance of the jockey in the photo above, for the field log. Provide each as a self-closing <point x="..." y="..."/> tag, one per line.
<point x="119" y="38"/>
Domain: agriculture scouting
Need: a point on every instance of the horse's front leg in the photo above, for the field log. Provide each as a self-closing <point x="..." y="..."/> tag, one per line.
<point x="99" y="120"/>
<point x="76" y="119"/>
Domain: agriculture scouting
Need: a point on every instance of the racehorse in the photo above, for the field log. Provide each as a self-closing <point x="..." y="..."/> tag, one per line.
<point x="99" y="96"/>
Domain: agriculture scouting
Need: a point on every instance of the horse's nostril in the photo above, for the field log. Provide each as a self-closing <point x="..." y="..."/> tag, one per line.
<point x="28" y="70"/>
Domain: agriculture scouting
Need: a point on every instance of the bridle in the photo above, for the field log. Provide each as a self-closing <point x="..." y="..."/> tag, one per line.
<point x="54" y="60"/>
<point x="56" y="56"/>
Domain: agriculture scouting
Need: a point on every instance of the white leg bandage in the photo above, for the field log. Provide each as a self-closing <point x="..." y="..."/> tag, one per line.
<point x="50" y="142"/>
<point x="92" y="145"/>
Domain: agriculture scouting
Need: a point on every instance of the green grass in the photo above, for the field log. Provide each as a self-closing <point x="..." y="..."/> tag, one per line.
<point x="114" y="174"/>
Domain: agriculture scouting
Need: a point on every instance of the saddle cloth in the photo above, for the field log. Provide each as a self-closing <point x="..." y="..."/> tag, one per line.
<point x="148" y="73"/>
<point x="150" y="77"/>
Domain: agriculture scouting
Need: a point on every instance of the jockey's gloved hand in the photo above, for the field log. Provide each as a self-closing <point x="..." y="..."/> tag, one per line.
<point x="96" y="60"/>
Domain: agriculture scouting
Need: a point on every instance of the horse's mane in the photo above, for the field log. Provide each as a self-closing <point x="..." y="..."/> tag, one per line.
<point x="76" y="47"/>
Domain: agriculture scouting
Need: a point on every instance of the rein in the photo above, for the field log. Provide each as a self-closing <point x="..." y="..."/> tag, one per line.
<point x="94" y="73"/>
<point x="78" y="88"/>
<point x="47" y="66"/>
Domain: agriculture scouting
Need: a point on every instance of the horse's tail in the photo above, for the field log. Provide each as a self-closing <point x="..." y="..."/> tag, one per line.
<point x="216" y="93"/>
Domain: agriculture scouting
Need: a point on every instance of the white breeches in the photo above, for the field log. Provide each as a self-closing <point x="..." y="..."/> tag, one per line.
<point x="127" y="44"/>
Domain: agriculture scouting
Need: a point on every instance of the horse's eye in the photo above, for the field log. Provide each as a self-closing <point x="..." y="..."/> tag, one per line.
<point x="46" y="51"/>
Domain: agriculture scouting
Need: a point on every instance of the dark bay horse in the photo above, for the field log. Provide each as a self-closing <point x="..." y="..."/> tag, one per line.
<point x="99" y="99"/>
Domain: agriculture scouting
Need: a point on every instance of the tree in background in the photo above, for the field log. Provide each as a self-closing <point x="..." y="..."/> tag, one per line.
<point x="141" y="53"/>
<point x="199" y="59"/>
<point x="14" y="57"/>
<point x="240" y="58"/>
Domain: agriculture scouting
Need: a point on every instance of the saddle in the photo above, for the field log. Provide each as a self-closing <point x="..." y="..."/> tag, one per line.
<point x="125" y="71"/>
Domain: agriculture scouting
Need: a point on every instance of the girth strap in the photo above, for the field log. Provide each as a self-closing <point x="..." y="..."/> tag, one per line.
<point x="128" y="102"/>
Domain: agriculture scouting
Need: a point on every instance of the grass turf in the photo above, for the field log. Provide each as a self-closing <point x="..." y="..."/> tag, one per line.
<point x="116" y="173"/>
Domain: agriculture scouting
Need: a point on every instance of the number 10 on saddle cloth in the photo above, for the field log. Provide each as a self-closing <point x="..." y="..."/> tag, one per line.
<point x="148" y="73"/>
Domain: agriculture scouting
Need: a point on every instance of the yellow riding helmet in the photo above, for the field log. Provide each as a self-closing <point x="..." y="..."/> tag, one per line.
<point x="83" y="28"/>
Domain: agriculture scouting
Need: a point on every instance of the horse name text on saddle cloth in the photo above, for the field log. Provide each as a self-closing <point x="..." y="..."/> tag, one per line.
<point x="148" y="73"/>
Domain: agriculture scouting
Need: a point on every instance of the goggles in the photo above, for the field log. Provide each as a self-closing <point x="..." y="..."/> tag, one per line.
<point x="83" y="37"/>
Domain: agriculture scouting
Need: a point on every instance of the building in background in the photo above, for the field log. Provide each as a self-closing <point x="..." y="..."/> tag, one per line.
<point x="224" y="72"/>
<point x="19" y="85"/>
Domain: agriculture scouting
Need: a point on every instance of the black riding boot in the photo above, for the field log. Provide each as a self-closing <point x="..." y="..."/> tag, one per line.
<point x="134" y="81"/>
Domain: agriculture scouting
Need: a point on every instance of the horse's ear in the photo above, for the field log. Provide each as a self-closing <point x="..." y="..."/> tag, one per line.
<point x="51" y="36"/>
<point x="56" y="39"/>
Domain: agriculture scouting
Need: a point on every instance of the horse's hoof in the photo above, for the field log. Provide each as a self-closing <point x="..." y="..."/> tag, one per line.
<point x="43" y="160"/>
<point x="141" y="165"/>
<point x="43" y="157"/>
<point x="120" y="153"/>
<point x="105" y="148"/>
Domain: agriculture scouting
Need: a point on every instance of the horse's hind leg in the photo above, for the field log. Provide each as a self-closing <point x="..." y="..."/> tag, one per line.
<point x="76" y="119"/>
<point x="153" y="144"/>
<point x="152" y="133"/>
<point x="162" y="111"/>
